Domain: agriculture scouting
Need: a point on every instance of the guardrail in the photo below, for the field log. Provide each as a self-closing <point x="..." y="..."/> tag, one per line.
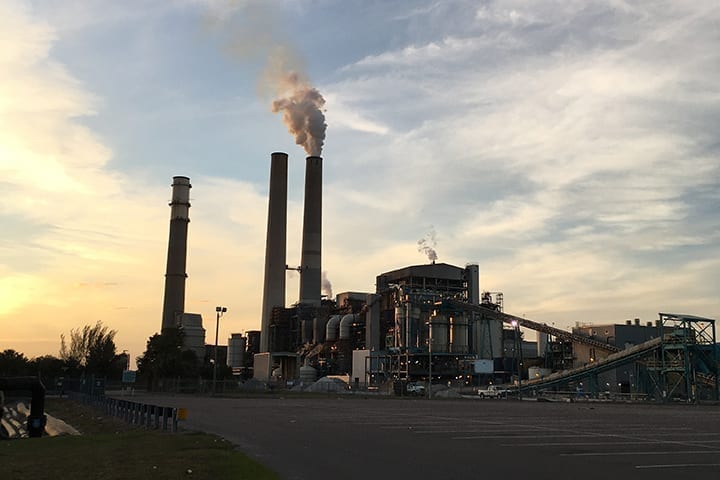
<point x="136" y="413"/>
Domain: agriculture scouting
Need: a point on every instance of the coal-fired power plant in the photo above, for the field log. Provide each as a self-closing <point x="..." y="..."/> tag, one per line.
<point x="425" y="326"/>
<point x="310" y="263"/>
<point x="175" y="272"/>
<point x="275" y="245"/>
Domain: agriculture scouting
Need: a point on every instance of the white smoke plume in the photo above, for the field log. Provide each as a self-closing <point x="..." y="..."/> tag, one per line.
<point x="326" y="285"/>
<point x="427" y="245"/>
<point x="251" y="32"/>
<point x="301" y="106"/>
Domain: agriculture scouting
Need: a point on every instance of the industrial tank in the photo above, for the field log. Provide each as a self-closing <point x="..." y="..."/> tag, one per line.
<point x="236" y="351"/>
<point x="459" y="334"/>
<point x="307" y="374"/>
<point x="439" y="333"/>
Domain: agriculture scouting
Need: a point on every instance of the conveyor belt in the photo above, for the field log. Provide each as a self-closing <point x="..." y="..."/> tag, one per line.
<point x="611" y="362"/>
<point x="539" y="327"/>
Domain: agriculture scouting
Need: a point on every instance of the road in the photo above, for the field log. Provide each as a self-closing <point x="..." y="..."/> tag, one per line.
<point x="354" y="438"/>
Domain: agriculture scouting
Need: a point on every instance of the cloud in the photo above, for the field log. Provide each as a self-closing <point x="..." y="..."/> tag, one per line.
<point x="552" y="130"/>
<point x="86" y="241"/>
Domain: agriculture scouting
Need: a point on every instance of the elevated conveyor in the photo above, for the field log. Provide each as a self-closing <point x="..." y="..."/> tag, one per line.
<point x="613" y="361"/>
<point x="539" y="327"/>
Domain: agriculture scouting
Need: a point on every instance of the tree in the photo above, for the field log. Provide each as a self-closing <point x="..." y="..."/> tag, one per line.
<point x="90" y="350"/>
<point x="47" y="367"/>
<point x="13" y="364"/>
<point x="165" y="357"/>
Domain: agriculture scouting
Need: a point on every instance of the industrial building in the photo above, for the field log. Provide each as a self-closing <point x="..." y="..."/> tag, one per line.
<point x="430" y="323"/>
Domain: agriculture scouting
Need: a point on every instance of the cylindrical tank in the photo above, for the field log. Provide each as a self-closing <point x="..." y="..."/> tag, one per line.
<point x="236" y="351"/>
<point x="346" y="326"/>
<point x="472" y="274"/>
<point x="331" y="331"/>
<point x="308" y="374"/>
<point x="439" y="333"/>
<point x="458" y="334"/>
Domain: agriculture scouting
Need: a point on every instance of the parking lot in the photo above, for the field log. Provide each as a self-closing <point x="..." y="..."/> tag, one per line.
<point x="356" y="438"/>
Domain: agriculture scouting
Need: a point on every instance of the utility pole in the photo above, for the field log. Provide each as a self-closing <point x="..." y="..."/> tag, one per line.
<point x="218" y="313"/>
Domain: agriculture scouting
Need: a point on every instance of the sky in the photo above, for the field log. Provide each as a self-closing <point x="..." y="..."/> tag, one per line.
<point x="570" y="148"/>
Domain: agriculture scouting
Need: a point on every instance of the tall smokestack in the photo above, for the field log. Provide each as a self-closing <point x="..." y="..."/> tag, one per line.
<point x="275" y="246"/>
<point x="174" y="301"/>
<point x="310" y="275"/>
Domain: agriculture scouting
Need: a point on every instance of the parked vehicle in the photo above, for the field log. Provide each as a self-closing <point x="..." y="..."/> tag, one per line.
<point x="493" y="391"/>
<point x="416" y="389"/>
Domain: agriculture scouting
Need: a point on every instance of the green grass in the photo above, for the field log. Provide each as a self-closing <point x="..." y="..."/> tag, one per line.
<point x="110" y="449"/>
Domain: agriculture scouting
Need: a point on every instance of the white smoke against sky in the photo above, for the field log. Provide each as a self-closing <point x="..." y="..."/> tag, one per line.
<point x="251" y="31"/>
<point x="326" y="285"/>
<point x="427" y="245"/>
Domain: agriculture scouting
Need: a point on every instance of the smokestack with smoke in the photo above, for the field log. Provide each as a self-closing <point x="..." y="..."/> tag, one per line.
<point x="311" y="253"/>
<point x="427" y="245"/>
<point x="301" y="107"/>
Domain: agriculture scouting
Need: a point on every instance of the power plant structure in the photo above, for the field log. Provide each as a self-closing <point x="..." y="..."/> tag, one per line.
<point x="175" y="273"/>
<point x="173" y="313"/>
<point x="432" y="323"/>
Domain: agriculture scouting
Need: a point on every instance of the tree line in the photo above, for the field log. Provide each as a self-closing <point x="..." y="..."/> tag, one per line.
<point x="89" y="351"/>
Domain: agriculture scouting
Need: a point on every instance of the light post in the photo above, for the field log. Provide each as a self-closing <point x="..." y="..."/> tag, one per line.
<point x="518" y="355"/>
<point x="218" y="313"/>
<point x="127" y="359"/>
<point x="430" y="323"/>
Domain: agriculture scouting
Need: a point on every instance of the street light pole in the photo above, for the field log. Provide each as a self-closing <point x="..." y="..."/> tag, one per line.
<point x="518" y="355"/>
<point x="430" y="356"/>
<point x="218" y="313"/>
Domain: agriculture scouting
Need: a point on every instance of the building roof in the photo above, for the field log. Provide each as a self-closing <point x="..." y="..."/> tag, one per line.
<point x="429" y="270"/>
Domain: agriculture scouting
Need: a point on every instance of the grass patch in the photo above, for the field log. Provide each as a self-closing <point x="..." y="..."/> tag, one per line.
<point x="110" y="449"/>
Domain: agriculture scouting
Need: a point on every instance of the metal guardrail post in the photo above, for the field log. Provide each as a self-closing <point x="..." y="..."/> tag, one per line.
<point x="166" y="413"/>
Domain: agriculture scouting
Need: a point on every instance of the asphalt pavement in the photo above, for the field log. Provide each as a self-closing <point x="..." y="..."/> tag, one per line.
<point x="351" y="438"/>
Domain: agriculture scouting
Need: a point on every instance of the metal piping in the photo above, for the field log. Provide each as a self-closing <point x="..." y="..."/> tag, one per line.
<point x="331" y="330"/>
<point x="175" y="275"/>
<point x="275" y="246"/>
<point x="345" y="326"/>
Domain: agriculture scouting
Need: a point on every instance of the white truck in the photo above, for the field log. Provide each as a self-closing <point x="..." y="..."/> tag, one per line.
<point x="492" y="391"/>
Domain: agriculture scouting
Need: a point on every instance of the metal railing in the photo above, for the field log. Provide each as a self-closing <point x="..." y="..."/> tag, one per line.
<point x="136" y="413"/>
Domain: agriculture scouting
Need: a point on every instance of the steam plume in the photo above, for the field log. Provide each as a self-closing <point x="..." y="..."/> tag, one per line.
<point x="326" y="285"/>
<point x="301" y="107"/>
<point x="251" y="32"/>
<point x="427" y="245"/>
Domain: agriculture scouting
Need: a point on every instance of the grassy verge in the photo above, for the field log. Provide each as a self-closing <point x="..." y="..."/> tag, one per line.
<point x="110" y="449"/>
